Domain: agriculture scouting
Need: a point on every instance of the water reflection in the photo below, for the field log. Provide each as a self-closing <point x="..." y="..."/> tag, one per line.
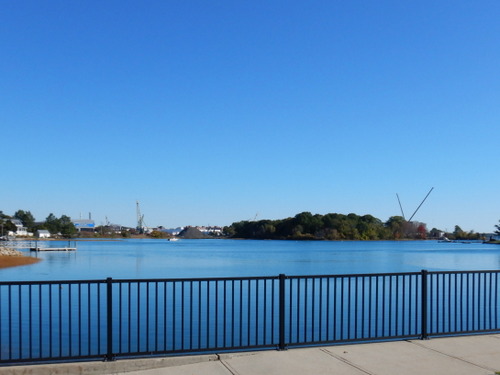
<point x="232" y="258"/>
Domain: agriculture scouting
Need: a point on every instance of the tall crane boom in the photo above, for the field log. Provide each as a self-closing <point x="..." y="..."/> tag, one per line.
<point x="140" y="218"/>
<point x="430" y="191"/>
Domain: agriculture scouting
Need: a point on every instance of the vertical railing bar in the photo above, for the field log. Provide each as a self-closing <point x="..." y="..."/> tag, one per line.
<point x="165" y="311"/>
<point x="370" y="306"/>
<point x="30" y="301"/>
<point x="1" y="320"/>
<point x="89" y="328"/>
<point x="449" y="302"/>
<point x="377" y="306"/>
<point x="174" y="313"/>
<point x="20" y="309"/>
<point x="455" y="297"/>
<point x="99" y="317"/>
<point x="273" y="338"/>
<point x="467" y="320"/>
<point x="147" y="285"/>
<point x="40" y="338"/>
<point x="10" y="319"/>
<point x="383" y="305"/>
<point x="397" y="309"/>
<point x="327" y="312"/>
<point x="157" y="313"/>
<point x="224" y="315"/>
<point x="461" y="297"/>
<point x="320" y="308"/>
<point x="290" y="310"/>
<point x="264" y="338"/>
<point x="282" y="344"/>
<point x="208" y="314"/>
<point x="233" y="318"/>
<point x="249" y="288"/>
<point x="216" y="325"/>
<point x="403" y="304"/>
<point x="496" y="300"/>
<point x="120" y="317"/>
<point x="313" y="303"/>
<point x="349" y="306"/>
<point x="183" y="299"/>
<point x="424" y="276"/>
<point x="50" y="322"/>
<point x="342" y="308"/>
<point x="139" y="316"/>
<point x="241" y="312"/>
<point x="306" y="287"/>
<point x="390" y="320"/>
<point x="298" y="309"/>
<point x="431" y="301"/>
<point x="191" y="315"/>
<point x="109" y="314"/>
<point x="473" y="301"/>
<point x="362" y="302"/>
<point x="59" y="312"/>
<point x="443" y="302"/>
<point x="129" y="316"/>
<point x="484" y="325"/>
<point x="199" y="314"/>
<point x="489" y="300"/>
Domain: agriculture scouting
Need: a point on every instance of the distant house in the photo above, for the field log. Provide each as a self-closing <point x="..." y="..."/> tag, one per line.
<point x="42" y="233"/>
<point x="20" y="229"/>
<point x="84" y="225"/>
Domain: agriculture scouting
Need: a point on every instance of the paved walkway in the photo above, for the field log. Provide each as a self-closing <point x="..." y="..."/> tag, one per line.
<point x="467" y="355"/>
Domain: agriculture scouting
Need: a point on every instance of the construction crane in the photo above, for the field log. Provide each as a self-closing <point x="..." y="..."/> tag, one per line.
<point x="420" y="205"/>
<point x="140" y="219"/>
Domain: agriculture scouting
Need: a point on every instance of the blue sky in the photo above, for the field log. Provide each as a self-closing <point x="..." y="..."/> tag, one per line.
<point x="210" y="112"/>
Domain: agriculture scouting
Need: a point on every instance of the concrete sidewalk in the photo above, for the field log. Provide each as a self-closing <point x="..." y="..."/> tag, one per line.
<point x="467" y="355"/>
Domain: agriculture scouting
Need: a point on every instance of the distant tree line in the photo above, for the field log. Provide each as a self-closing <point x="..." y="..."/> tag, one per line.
<point x="56" y="226"/>
<point x="332" y="226"/>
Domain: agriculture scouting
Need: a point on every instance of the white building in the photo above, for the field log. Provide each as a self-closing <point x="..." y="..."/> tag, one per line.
<point x="42" y="233"/>
<point x="20" y="229"/>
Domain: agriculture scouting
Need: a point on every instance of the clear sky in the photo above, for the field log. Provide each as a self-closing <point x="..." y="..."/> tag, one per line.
<point x="210" y="112"/>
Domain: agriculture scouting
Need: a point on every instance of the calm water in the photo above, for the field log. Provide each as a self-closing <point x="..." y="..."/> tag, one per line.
<point x="211" y="258"/>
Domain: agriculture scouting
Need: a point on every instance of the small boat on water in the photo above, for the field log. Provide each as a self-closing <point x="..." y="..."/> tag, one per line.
<point x="173" y="239"/>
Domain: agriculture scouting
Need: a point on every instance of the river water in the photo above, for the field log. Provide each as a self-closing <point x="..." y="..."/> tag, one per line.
<point x="131" y="258"/>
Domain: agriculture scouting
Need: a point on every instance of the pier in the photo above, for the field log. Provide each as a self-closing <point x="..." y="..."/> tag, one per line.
<point x="52" y="248"/>
<point x="37" y="247"/>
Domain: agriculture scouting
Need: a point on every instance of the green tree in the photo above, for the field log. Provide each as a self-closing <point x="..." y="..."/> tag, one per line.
<point x="396" y="224"/>
<point x="26" y="218"/>
<point x="66" y="227"/>
<point x="51" y="224"/>
<point x="458" y="233"/>
<point x="497" y="232"/>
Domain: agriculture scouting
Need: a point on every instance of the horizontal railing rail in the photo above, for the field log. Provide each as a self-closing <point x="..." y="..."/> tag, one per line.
<point x="43" y="321"/>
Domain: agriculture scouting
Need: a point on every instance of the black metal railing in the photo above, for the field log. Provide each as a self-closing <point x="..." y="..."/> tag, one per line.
<point x="70" y="320"/>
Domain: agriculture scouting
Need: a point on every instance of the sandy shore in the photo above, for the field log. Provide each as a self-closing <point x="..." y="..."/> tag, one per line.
<point x="13" y="258"/>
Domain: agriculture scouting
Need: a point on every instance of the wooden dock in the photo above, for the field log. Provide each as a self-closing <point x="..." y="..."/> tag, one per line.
<point x="52" y="248"/>
<point x="37" y="248"/>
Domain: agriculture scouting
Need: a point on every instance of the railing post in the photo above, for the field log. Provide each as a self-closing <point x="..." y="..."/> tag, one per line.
<point x="424" y="335"/>
<point x="282" y="344"/>
<point x="109" y="310"/>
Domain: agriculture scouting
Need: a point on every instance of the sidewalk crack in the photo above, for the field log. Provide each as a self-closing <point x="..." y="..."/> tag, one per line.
<point x="227" y="366"/>
<point x="346" y="361"/>
<point x="451" y="356"/>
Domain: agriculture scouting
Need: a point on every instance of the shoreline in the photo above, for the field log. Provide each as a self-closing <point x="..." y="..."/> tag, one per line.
<point x="13" y="258"/>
